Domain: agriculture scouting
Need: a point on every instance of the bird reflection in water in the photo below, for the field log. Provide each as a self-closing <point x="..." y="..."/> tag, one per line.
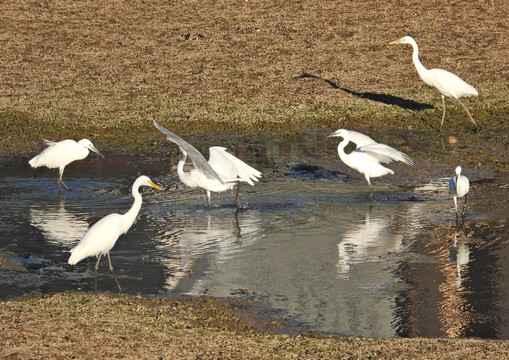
<point x="364" y="242"/>
<point x="191" y="248"/>
<point x="460" y="255"/>
<point x="59" y="226"/>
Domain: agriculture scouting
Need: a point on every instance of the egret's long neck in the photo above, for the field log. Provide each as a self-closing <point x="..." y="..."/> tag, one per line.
<point x="130" y="216"/>
<point x="421" y="70"/>
<point x="82" y="153"/>
<point x="341" y="149"/>
<point x="185" y="177"/>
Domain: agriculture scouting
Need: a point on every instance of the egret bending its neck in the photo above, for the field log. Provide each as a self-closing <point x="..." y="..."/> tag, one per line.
<point x="185" y="177"/>
<point x="341" y="148"/>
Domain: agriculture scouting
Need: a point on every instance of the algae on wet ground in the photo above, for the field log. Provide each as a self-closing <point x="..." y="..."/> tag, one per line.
<point x="113" y="130"/>
<point x="81" y="325"/>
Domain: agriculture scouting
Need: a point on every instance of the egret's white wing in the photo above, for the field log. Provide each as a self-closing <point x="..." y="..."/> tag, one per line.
<point x="359" y="139"/>
<point x="57" y="154"/>
<point x="99" y="239"/>
<point x="385" y="153"/>
<point x="231" y="167"/>
<point x="448" y="83"/>
<point x="49" y="143"/>
<point x="200" y="163"/>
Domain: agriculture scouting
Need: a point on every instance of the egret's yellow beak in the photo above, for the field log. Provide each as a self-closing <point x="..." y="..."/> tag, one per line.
<point x="154" y="185"/>
<point x="395" y="42"/>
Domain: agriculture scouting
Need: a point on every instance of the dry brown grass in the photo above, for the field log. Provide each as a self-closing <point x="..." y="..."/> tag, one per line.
<point x="84" y="326"/>
<point x="76" y="68"/>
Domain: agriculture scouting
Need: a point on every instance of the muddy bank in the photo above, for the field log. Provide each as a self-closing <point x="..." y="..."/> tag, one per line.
<point x="81" y="325"/>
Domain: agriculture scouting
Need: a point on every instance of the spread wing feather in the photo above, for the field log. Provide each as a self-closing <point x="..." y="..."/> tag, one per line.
<point x="359" y="139"/>
<point x="229" y="167"/>
<point x="199" y="162"/>
<point x="385" y="153"/>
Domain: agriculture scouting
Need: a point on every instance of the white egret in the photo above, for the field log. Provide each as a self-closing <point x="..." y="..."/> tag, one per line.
<point x="368" y="155"/>
<point x="103" y="235"/>
<point x="459" y="186"/>
<point x="60" y="154"/>
<point x="447" y="83"/>
<point x="220" y="173"/>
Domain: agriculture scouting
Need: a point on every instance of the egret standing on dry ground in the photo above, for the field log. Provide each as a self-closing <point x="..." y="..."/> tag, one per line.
<point x="447" y="83"/>
<point x="220" y="173"/>
<point x="459" y="186"/>
<point x="103" y="235"/>
<point x="368" y="155"/>
<point x="60" y="154"/>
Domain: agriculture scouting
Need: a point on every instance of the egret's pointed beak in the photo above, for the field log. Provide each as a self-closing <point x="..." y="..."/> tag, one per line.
<point x="395" y="42"/>
<point x="92" y="147"/>
<point x="154" y="185"/>
<point x="332" y="135"/>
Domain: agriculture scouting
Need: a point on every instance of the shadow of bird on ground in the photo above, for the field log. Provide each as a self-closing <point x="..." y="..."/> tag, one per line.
<point x="383" y="98"/>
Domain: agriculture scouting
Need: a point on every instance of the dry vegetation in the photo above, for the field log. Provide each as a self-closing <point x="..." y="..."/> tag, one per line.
<point x="104" y="70"/>
<point x="85" y="326"/>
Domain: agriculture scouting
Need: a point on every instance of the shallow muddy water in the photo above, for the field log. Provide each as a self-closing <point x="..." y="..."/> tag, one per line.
<point x="311" y="245"/>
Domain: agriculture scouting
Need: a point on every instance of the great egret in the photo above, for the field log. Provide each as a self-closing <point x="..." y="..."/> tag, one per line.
<point x="459" y="186"/>
<point x="447" y="83"/>
<point x="220" y="173"/>
<point x="368" y="155"/>
<point x="60" y="154"/>
<point x="103" y="235"/>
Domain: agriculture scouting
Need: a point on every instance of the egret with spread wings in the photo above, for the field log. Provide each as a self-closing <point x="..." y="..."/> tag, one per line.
<point x="220" y="173"/>
<point x="368" y="155"/>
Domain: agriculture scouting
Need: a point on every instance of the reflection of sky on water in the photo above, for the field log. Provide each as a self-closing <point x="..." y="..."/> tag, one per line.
<point x="309" y="245"/>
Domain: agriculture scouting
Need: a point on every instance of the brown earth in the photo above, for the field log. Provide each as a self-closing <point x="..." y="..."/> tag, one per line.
<point x="105" y="70"/>
<point x="74" y="325"/>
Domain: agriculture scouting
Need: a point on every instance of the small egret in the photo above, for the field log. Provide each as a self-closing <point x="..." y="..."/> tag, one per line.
<point x="103" y="235"/>
<point x="459" y="186"/>
<point x="60" y="154"/>
<point x="447" y="83"/>
<point x="220" y="173"/>
<point x="368" y="155"/>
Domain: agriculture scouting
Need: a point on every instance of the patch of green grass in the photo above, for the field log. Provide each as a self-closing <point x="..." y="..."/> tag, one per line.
<point x="126" y="123"/>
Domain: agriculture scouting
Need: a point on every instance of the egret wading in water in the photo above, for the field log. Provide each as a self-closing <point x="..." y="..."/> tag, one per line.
<point x="459" y="186"/>
<point x="368" y="155"/>
<point x="103" y="235"/>
<point x="60" y="154"/>
<point x="220" y="173"/>
<point x="447" y="83"/>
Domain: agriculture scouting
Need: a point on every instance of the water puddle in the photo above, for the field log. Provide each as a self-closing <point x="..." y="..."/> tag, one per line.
<point x="310" y="245"/>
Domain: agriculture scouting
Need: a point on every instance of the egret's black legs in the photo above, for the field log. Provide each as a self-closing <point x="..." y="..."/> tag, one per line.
<point x="95" y="272"/>
<point x="113" y="272"/>
<point x="237" y="204"/>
